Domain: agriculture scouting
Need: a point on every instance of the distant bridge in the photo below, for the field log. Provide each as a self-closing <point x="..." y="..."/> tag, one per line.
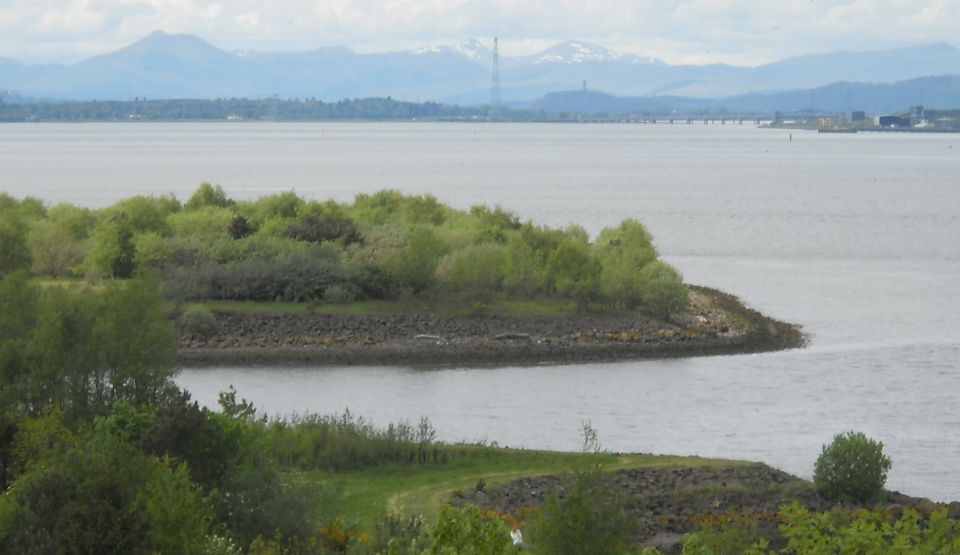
<point x="704" y="120"/>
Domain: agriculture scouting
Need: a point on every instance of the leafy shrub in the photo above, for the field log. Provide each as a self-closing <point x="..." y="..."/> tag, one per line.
<point x="207" y="222"/>
<point x="198" y="320"/>
<point x="591" y="518"/>
<point x="476" y="270"/>
<point x="839" y="531"/>
<point x="345" y="442"/>
<point x="208" y="195"/>
<point x="468" y="531"/>
<point x="142" y="214"/>
<point x="54" y="249"/>
<point x="338" y="294"/>
<point x="725" y="534"/>
<point x="852" y="467"/>
<point x="574" y="272"/>
<point x="399" y="535"/>
<point x="298" y="277"/>
<point x="151" y="251"/>
<point x="662" y="289"/>
<point x="103" y="496"/>
<point x="112" y="255"/>
<point x="240" y="227"/>
<point x="317" y="228"/>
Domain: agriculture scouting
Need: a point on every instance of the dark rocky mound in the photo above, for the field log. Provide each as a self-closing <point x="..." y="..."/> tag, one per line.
<point x="715" y="324"/>
<point x="670" y="502"/>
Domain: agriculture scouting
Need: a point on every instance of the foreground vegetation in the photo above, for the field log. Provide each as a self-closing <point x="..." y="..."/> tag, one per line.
<point x="383" y="247"/>
<point x="101" y="453"/>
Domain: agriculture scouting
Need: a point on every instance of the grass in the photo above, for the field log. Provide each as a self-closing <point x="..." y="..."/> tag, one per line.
<point x="413" y="490"/>
<point x="502" y="307"/>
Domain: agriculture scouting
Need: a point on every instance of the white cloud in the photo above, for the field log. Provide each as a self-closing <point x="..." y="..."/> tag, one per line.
<point x="687" y="31"/>
<point x="249" y="19"/>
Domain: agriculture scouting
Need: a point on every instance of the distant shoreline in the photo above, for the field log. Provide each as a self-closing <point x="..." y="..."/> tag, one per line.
<point x="717" y="324"/>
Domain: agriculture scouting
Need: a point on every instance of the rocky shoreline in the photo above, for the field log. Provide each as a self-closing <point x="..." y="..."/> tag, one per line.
<point x="667" y="503"/>
<point x="716" y="323"/>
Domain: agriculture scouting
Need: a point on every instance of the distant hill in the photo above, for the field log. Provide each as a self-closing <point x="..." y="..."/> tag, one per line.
<point x="940" y="92"/>
<point x="166" y="66"/>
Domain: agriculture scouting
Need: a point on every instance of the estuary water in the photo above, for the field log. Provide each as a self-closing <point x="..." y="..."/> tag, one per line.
<point x="855" y="237"/>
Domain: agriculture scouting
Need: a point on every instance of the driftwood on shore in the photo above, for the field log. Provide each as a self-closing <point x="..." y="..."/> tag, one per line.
<point x="716" y="323"/>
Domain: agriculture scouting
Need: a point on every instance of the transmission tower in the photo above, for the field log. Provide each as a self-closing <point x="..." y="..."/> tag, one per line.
<point x="495" y="83"/>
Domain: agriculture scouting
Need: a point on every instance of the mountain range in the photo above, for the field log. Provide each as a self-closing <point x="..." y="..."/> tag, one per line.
<point x="162" y="65"/>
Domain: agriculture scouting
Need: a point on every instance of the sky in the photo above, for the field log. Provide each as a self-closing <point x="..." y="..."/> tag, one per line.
<point x="741" y="32"/>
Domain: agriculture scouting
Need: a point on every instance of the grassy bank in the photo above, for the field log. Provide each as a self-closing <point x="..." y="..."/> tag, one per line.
<point x="421" y="490"/>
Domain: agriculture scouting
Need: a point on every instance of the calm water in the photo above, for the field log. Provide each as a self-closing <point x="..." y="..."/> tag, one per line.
<point x="857" y="237"/>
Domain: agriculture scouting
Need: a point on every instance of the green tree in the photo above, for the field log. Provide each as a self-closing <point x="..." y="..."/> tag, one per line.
<point x="590" y="518"/>
<point x="623" y="251"/>
<point x="102" y="496"/>
<point x="852" y="468"/>
<point x="142" y="214"/>
<point x="152" y="251"/>
<point x="14" y="252"/>
<point x="9" y="427"/>
<point x="18" y="314"/>
<point x="284" y="206"/>
<point x="528" y="249"/>
<point x="207" y="442"/>
<point x="415" y="265"/>
<point x="476" y="270"/>
<point x="55" y="250"/>
<point x="205" y="223"/>
<point x="113" y="251"/>
<point x="662" y="289"/>
<point x="393" y="206"/>
<point x="79" y="221"/>
<point x="575" y="273"/>
<point x="208" y="195"/>
<point x="136" y="342"/>
<point x="84" y="351"/>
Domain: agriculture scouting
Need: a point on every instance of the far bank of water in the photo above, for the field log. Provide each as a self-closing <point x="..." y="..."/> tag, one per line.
<point x="857" y="237"/>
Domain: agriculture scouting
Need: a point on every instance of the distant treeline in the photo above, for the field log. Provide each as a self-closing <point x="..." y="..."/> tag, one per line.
<point x="250" y="109"/>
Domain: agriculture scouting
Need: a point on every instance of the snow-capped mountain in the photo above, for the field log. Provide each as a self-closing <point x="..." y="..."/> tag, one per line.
<point x="184" y="66"/>
<point x="573" y="52"/>
<point x="472" y="50"/>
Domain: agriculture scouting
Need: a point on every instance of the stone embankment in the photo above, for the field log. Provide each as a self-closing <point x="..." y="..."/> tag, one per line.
<point x="715" y="324"/>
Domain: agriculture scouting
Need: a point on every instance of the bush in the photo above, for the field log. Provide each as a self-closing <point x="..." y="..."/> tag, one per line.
<point x="54" y="249"/>
<point x="476" y="270"/>
<point x="852" y="468"/>
<point x="469" y="531"/>
<point x="338" y="294"/>
<point x="662" y="289"/>
<point x="198" y="320"/>
<point x="591" y="518"/>
<point x="298" y="277"/>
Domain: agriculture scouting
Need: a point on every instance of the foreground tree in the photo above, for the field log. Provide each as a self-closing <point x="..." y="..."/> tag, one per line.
<point x="102" y="496"/>
<point x="82" y="351"/>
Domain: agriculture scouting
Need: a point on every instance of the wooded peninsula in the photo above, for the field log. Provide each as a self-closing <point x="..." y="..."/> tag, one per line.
<point x="389" y="278"/>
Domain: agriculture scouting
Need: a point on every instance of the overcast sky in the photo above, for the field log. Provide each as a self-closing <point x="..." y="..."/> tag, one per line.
<point x="744" y="32"/>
